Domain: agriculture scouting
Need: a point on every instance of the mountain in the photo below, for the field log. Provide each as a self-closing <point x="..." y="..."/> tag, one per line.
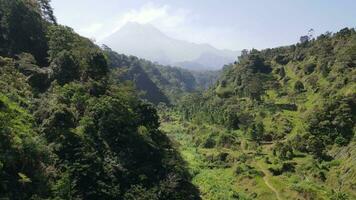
<point x="146" y="41"/>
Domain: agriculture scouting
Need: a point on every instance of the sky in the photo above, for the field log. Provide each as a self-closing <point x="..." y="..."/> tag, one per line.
<point x="225" y="24"/>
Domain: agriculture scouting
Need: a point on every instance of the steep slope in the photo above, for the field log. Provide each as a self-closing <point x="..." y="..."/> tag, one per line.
<point x="158" y="83"/>
<point x="160" y="48"/>
<point x="206" y="79"/>
<point x="292" y="110"/>
<point x="69" y="131"/>
<point x="129" y="69"/>
<point x="174" y="81"/>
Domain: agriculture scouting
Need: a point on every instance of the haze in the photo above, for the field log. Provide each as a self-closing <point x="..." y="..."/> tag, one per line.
<point x="229" y="24"/>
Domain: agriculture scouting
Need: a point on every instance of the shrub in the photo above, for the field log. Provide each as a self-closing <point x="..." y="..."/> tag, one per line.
<point x="299" y="86"/>
<point x="209" y="143"/>
<point x="281" y="59"/>
<point x="247" y="170"/>
<point x="282" y="168"/>
<point x="309" y="68"/>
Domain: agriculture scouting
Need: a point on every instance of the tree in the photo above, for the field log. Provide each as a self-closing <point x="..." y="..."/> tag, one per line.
<point x="254" y="88"/>
<point x="244" y="52"/>
<point x="304" y="39"/>
<point x="96" y="67"/>
<point x="231" y="119"/>
<point x="65" y="68"/>
<point x="309" y="68"/>
<point x="334" y="121"/>
<point x="311" y="33"/>
<point x="283" y="150"/>
<point x="23" y="154"/>
<point x="256" y="132"/>
<point x="282" y="72"/>
<point x="316" y="146"/>
<point x="60" y="38"/>
<point x="22" y="30"/>
<point x="47" y="11"/>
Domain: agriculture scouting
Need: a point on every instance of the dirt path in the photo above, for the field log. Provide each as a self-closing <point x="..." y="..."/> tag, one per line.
<point x="265" y="179"/>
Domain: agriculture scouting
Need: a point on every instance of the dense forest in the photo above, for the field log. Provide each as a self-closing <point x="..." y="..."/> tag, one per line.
<point x="68" y="128"/>
<point x="80" y="121"/>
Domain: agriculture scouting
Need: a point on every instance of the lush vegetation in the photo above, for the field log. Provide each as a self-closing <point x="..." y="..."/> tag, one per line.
<point x="78" y="121"/>
<point x="68" y="129"/>
<point x="285" y="114"/>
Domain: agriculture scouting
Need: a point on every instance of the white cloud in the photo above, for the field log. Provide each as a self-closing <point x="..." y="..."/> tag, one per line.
<point x="151" y="13"/>
<point x="177" y="23"/>
<point x="163" y="17"/>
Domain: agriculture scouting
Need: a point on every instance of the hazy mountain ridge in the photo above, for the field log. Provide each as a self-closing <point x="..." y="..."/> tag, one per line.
<point x="146" y="41"/>
<point x="158" y="83"/>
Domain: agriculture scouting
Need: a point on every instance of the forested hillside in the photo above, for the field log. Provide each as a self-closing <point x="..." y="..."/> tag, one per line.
<point x="279" y="120"/>
<point x="68" y="130"/>
<point x="159" y="84"/>
<point x="79" y="121"/>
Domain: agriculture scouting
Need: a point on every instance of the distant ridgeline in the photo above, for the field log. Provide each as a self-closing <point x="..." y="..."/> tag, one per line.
<point x="302" y="97"/>
<point x="68" y="128"/>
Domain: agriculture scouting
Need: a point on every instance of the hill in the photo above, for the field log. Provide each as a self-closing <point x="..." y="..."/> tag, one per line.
<point x="159" y="83"/>
<point x="279" y="123"/>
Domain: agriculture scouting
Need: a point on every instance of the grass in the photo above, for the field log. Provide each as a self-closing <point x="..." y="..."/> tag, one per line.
<point x="218" y="179"/>
<point x="216" y="183"/>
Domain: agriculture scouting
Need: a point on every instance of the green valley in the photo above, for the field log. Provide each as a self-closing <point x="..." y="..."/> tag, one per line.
<point x="80" y="121"/>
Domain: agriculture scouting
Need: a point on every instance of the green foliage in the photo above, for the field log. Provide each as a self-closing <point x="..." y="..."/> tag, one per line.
<point x="256" y="132"/>
<point x="67" y="129"/>
<point x="283" y="151"/>
<point x="60" y="38"/>
<point x="297" y="102"/>
<point x="158" y="83"/>
<point x="283" y="88"/>
<point x="72" y="127"/>
<point x="96" y="67"/>
<point x="65" y="68"/>
<point x="22" y="29"/>
<point x="334" y="122"/>
<point x="37" y="77"/>
<point x="309" y="68"/>
<point x="339" y="196"/>
<point x="129" y="69"/>
<point x="206" y="79"/>
<point x="299" y="86"/>
<point x="47" y="11"/>
<point x="282" y="168"/>
<point x="247" y="170"/>
<point x="22" y="152"/>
